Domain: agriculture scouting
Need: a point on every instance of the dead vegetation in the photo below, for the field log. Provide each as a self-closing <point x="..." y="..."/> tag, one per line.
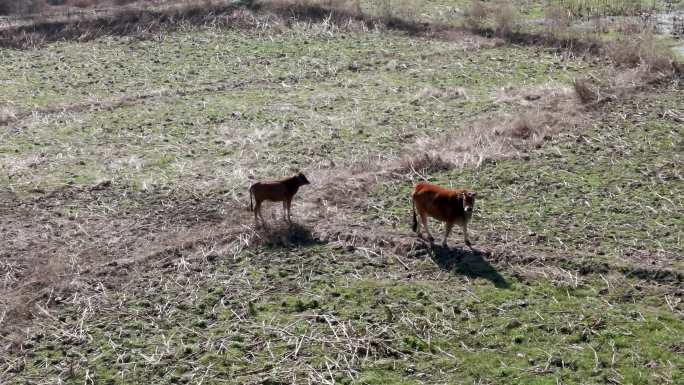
<point x="638" y="64"/>
<point x="544" y="112"/>
<point x="505" y="18"/>
<point x="12" y="7"/>
<point x="424" y="164"/>
<point x="183" y="226"/>
<point x="7" y="114"/>
<point x="632" y="51"/>
<point x="143" y="23"/>
<point x="501" y="13"/>
<point x="558" y="19"/>
<point x="52" y="250"/>
<point x="147" y="22"/>
<point x="476" y="14"/>
<point x="585" y="91"/>
<point x="340" y="192"/>
<point x="428" y="93"/>
<point x="640" y="50"/>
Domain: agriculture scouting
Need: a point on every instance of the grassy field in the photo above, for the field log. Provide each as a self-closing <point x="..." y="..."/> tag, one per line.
<point x="130" y="255"/>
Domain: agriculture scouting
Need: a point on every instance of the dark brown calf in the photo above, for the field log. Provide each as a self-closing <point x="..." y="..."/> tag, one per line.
<point x="276" y="191"/>
<point x="450" y="206"/>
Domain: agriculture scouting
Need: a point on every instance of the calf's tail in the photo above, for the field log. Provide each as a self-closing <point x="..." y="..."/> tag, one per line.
<point x="415" y="221"/>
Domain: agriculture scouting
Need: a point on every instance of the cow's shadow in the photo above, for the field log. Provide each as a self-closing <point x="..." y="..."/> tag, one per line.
<point x="468" y="262"/>
<point x="286" y="235"/>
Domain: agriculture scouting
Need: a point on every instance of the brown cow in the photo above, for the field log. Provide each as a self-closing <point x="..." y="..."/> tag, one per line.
<point x="450" y="206"/>
<point x="276" y="191"/>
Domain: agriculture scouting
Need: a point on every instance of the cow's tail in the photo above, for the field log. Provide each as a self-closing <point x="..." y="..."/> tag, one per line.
<point x="251" y="205"/>
<point x="415" y="220"/>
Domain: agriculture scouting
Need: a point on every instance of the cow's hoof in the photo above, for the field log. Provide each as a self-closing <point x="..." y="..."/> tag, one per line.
<point x="444" y="245"/>
<point x="468" y="244"/>
<point x="431" y="239"/>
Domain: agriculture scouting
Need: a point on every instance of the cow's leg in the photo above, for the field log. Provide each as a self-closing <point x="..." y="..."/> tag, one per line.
<point x="423" y="220"/>
<point x="449" y="226"/>
<point x="285" y="210"/>
<point x="465" y="233"/>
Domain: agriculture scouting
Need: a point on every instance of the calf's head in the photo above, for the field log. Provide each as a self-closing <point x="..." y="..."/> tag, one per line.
<point x="301" y="179"/>
<point x="468" y="201"/>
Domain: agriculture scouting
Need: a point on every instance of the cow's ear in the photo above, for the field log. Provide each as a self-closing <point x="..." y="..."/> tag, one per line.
<point x="472" y="194"/>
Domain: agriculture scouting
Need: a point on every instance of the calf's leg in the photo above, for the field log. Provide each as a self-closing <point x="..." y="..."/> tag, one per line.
<point x="465" y="233"/>
<point x="257" y="211"/>
<point x="449" y="226"/>
<point x="423" y="220"/>
<point x="289" y="210"/>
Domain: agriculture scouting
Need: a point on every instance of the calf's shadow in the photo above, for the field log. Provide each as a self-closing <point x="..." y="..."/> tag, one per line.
<point x="287" y="235"/>
<point x="468" y="262"/>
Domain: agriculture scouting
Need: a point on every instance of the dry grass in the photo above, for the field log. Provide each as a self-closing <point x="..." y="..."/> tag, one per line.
<point x="150" y="22"/>
<point x="20" y="7"/>
<point x="83" y="3"/>
<point x="626" y="52"/>
<point x="504" y="18"/>
<point x="502" y="13"/>
<point x="29" y="287"/>
<point x="39" y="272"/>
<point x="529" y="125"/>
<point x="642" y="49"/>
<point x="557" y="18"/>
<point x="131" y="22"/>
<point x="311" y="8"/>
<point x="7" y="114"/>
<point x="544" y="112"/>
<point x="632" y="26"/>
<point x="585" y="92"/>
<point x="438" y="94"/>
<point x="424" y="164"/>
<point x="476" y="15"/>
<point x="401" y="9"/>
<point x="640" y="62"/>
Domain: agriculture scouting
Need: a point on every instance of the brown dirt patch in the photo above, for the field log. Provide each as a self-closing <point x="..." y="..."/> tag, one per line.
<point x="53" y="240"/>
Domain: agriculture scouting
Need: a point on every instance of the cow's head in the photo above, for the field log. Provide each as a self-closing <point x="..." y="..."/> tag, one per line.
<point x="468" y="201"/>
<point x="302" y="179"/>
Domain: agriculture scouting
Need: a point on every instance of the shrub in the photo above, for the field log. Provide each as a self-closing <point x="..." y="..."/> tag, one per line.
<point x="584" y="91"/>
<point x="504" y="18"/>
<point x="427" y="163"/>
<point x="476" y="15"/>
<point x="83" y="3"/>
<point x="641" y="50"/>
<point x="20" y="7"/>
<point x="7" y="114"/>
<point x="557" y="18"/>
